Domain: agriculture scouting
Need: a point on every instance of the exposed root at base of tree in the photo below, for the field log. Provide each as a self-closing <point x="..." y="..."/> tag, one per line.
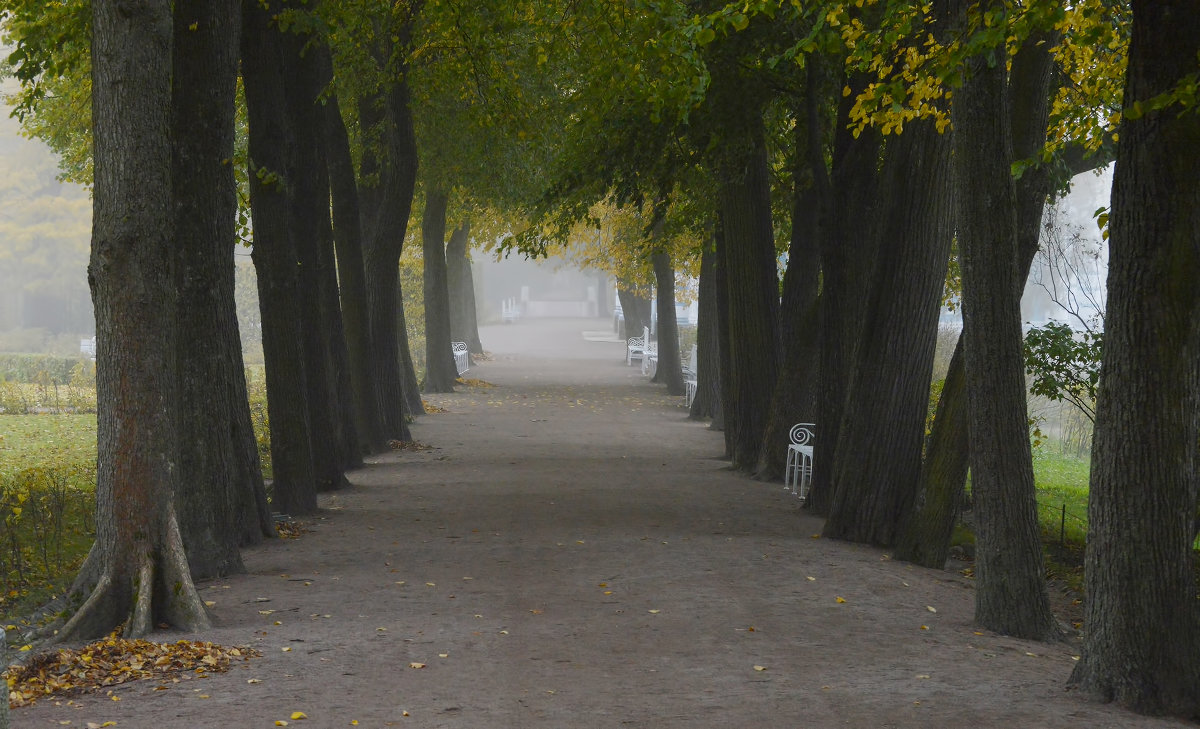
<point x="155" y="591"/>
<point x="114" y="661"/>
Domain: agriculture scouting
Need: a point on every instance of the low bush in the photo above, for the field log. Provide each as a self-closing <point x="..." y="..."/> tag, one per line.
<point x="47" y="528"/>
<point x="32" y="368"/>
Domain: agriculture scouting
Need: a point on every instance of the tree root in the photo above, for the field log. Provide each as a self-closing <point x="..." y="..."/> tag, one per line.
<point x="155" y="585"/>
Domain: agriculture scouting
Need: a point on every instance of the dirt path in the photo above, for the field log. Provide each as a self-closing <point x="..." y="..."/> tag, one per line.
<point x="572" y="554"/>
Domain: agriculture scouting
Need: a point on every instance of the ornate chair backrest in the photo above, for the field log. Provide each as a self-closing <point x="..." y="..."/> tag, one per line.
<point x="803" y="433"/>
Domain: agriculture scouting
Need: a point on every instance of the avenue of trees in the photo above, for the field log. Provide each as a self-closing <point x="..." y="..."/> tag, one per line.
<point x="867" y="141"/>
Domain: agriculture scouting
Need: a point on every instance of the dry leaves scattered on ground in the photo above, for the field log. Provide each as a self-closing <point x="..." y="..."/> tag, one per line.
<point x="113" y="661"/>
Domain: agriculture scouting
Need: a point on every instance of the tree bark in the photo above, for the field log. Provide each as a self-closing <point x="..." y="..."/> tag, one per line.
<point x="636" y="310"/>
<point x="927" y="530"/>
<point x="1010" y="594"/>
<point x="221" y="500"/>
<point x="888" y="396"/>
<point x="847" y="250"/>
<point x="752" y="283"/>
<point x="708" y="360"/>
<point x="463" y="326"/>
<point x="1142" y="618"/>
<point x="440" y="371"/>
<point x="669" y="370"/>
<point x="795" y="397"/>
<point x="275" y="257"/>
<point x="386" y="211"/>
<point x="137" y="569"/>
<point x="351" y="276"/>
<point x="331" y="421"/>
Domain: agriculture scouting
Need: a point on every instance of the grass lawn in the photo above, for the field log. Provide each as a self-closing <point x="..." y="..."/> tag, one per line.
<point x="39" y="440"/>
<point x="1062" y="481"/>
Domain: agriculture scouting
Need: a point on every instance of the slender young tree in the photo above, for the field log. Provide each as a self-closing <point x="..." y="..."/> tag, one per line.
<point x="1142" y="618"/>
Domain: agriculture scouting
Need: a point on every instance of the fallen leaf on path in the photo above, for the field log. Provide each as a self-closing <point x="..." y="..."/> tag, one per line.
<point x="931" y="608"/>
<point x="654" y="612"/>
<point x="298" y="715"/>
<point x="811" y="579"/>
<point x="760" y="668"/>
<point x="841" y="600"/>
<point x="414" y="664"/>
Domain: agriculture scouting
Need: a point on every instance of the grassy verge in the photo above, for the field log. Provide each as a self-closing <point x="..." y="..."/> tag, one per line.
<point x="47" y="506"/>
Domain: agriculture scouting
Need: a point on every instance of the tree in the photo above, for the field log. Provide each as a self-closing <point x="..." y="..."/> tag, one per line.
<point x="1142" y="616"/>
<point x="1010" y="593"/>
<point x="440" y="372"/>
<point x="275" y="260"/>
<point x="222" y="502"/>
<point x="137" y="569"/>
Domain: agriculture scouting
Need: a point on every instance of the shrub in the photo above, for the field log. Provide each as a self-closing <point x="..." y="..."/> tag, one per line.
<point x="47" y="528"/>
<point x="32" y="368"/>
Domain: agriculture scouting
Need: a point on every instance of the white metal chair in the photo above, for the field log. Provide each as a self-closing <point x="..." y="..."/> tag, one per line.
<point x="462" y="357"/>
<point x="798" y="474"/>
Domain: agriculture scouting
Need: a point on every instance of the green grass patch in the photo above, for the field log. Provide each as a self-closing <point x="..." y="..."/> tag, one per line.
<point x="1062" y="484"/>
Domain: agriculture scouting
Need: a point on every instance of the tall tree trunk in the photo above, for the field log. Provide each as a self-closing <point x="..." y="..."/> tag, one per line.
<point x="137" y="570"/>
<point x="1010" y="594"/>
<point x="751" y="280"/>
<point x="440" y="371"/>
<point x="1142" y="617"/>
<point x="925" y="536"/>
<point x="461" y="286"/>
<point x="847" y="250"/>
<point x="725" y="396"/>
<point x="669" y="370"/>
<point x="889" y="391"/>
<point x="331" y="421"/>
<point x="708" y="359"/>
<point x="275" y="257"/>
<point x="351" y="277"/>
<point x="795" y="397"/>
<point x="221" y="501"/>
<point x="387" y="210"/>
<point x="635" y="308"/>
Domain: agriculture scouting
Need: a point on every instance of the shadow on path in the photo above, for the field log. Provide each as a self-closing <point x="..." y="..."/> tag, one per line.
<point x="571" y="552"/>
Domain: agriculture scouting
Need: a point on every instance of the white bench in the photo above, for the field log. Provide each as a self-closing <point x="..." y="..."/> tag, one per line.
<point x="462" y="357"/>
<point x="650" y="357"/>
<point x="689" y="378"/>
<point x="635" y="347"/>
<point x="509" y="310"/>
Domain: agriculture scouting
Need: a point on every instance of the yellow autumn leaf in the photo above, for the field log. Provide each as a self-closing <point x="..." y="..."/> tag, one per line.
<point x="760" y="668"/>
<point x="298" y="715"/>
<point x="654" y="612"/>
<point x="280" y="722"/>
<point x="931" y="608"/>
<point x="841" y="600"/>
<point x="414" y="664"/>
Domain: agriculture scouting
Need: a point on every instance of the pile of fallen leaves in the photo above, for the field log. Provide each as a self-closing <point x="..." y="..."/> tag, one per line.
<point x="408" y="445"/>
<point x="431" y="408"/>
<point x="471" y="382"/>
<point x="289" y="529"/>
<point x="114" y="661"/>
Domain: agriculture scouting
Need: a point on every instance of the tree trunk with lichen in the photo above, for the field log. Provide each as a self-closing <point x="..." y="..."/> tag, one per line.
<point x="137" y="572"/>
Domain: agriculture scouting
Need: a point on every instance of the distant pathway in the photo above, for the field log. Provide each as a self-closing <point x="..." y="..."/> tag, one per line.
<point x="572" y="553"/>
